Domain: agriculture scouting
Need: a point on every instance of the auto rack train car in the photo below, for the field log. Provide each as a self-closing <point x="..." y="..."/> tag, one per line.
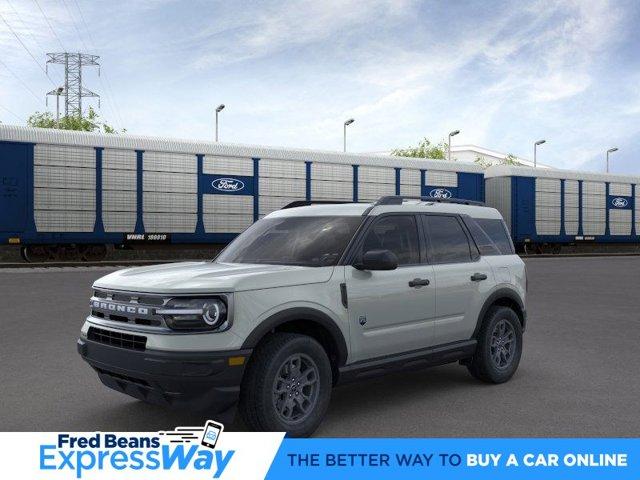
<point x="67" y="194"/>
<point x="547" y="209"/>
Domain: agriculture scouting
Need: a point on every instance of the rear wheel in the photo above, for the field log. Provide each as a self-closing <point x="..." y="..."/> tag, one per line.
<point x="287" y="385"/>
<point x="499" y="347"/>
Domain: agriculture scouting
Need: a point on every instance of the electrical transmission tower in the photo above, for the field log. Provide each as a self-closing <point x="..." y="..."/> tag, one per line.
<point x="73" y="90"/>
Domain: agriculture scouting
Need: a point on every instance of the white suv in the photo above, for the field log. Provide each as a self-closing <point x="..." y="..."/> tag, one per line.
<point x="308" y="297"/>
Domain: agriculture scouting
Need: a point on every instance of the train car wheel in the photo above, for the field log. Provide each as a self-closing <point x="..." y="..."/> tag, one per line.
<point x="556" y="249"/>
<point x="35" y="253"/>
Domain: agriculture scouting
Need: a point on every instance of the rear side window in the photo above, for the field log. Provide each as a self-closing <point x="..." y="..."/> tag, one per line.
<point x="397" y="233"/>
<point x="447" y="240"/>
<point x="496" y="230"/>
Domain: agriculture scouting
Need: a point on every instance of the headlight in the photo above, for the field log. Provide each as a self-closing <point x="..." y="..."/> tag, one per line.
<point x="196" y="314"/>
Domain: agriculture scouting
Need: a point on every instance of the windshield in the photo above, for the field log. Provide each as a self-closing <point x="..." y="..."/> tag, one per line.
<point x="305" y="241"/>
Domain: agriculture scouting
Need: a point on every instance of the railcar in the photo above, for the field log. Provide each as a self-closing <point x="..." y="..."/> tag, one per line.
<point x="550" y="209"/>
<point x="72" y="195"/>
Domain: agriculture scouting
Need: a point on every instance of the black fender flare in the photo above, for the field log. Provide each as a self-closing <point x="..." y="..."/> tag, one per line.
<point x="304" y="314"/>
<point x="501" y="293"/>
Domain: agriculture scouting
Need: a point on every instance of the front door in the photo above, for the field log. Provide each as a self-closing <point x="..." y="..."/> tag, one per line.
<point x="391" y="311"/>
<point x="13" y="186"/>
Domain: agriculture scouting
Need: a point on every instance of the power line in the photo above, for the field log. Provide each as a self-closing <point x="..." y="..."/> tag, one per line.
<point x="106" y="85"/>
<point x="50" y="26"/>
<point x="27" y="49"/>
<point x="21" y="81"/>
<point x="7" y="110"/>
<point x="73" y="22"/>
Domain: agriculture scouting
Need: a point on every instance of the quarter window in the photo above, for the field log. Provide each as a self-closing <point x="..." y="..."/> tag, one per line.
<point x="448" y="241"/>
<point x="497" y="232"/>
<point x="398" y="234"/>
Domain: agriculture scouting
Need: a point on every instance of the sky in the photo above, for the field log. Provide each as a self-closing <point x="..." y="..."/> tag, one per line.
<point x="504" y="73"/>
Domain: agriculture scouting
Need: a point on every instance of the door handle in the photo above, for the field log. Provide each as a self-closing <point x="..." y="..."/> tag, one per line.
<point x="478" y="277"/>
<point x="418" y="282"/>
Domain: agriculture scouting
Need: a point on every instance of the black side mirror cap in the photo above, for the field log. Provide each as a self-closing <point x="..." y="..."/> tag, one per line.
<point x="377" y="260"/>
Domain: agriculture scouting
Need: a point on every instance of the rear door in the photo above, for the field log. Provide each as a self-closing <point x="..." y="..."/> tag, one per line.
<point x="462" y="277"/>
<point x="391" y="311"/>
<point x="13" y="186"/>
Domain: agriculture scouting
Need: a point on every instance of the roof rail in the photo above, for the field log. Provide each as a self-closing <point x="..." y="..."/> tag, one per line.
<point x="306" y="203"/>
<point x="398" y="199"/>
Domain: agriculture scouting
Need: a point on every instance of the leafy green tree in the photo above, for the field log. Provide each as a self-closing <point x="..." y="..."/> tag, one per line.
<point x="510" y="159"/>
<point x="425" y="149"/>
<point x="89" y="123"/>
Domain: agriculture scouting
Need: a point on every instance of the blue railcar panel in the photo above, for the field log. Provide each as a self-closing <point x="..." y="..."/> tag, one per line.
<point x="14" y="186"/>
<point x="220" y="184"/>
<point x="471" y="186"/>
<point x="523" y="213"/>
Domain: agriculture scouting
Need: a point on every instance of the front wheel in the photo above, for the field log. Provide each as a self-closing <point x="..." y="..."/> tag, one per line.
<point x="287" y="385"/>
<point x="499" y="346"/>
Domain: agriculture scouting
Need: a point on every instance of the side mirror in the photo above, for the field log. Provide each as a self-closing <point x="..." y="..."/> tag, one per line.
<point x="378" y="260"/>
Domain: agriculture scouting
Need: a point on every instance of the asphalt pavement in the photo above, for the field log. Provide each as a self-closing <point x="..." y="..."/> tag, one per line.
<point x="579" y="375"/>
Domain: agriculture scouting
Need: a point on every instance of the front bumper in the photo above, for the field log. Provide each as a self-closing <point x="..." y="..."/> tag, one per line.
<point x="197" y="380"/>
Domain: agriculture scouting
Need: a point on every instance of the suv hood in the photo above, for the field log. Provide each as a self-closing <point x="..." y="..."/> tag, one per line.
<point x="209" y="277"/>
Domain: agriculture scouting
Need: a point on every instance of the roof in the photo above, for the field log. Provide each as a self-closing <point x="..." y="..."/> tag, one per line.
<point x="513" y="171"/>
<point x="135" y="142"/>
<point x="493" y="153"/>
<point x="357" y="209"/>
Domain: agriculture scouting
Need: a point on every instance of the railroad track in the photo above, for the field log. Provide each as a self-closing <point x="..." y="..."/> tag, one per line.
<point x="135" y="263"/>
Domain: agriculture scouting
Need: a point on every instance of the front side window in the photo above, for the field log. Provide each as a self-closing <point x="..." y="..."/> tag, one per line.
<point x="396" y="233"/>
<point x="448" y="241"/>
<point x="303" y="241"/>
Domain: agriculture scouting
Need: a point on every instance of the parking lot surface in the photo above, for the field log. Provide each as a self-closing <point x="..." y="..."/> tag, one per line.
<point x="579" y="375"/>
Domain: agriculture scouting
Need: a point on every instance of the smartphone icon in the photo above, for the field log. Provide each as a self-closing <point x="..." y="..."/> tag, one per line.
<point x="212" y="431"/>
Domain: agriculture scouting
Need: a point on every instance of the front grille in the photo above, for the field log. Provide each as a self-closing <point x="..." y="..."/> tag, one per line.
<point x="131" y="308"/>
<point x="117" y="339"/>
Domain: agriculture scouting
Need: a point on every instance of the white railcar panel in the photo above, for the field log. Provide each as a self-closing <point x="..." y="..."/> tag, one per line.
<point x="332" y="171"/>
<point x="170" y="202"/>
<point x="548" y="227"/>
<point x="170" y="222"/>
<point x="170" y="182"/>
<point x="571" y="186"/>
<point x="283" y="187"/>
<point x="64" y="199"/>
<point x="593" y="228"/>
<point x="594" y="188"/>
<point x="620" y="189"/>
<point x="282" y="169"/>
<point x="221" y="223"/>
<point x="410" y="176"/>
<point x="441" y="179"/>
<point x="571" y="228"/>
<point x="229" y="204"/>
<point x="227" y="165"/>
<point x="498" y="195"/>
<point x="119" y="201"/>
<point x="64" y="156"/>
<point x="64" y="177"/>
<point x="547" y="199"/>
<point x="119" y="180"/>
<point x="119" y="221"/>
<point x="547" y="185"/>
<point x="270" y="204"/>
<point x="64" y="220"/>
<point x="376" y="175"/>
<point x="620" y="222"/>
<point x="331" y="190"/>
<point x="169" y="162"/>
<point x="411" y="190"/>
<point x="119" y="159"/>
<point x="368" y="192"/>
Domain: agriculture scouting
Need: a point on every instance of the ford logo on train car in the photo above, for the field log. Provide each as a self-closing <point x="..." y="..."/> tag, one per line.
<point x="228" y="184"/>
<point x="619" y="202"/>
<point x="440" y="193"/>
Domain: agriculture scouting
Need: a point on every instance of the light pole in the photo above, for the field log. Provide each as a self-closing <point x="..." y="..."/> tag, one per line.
<point x="451" y="134"/>
<point x="218" y="110"/>
<point x="344" y="136"/>
<point x="535" y="151"/>
<point x="611" y="150"/>
<point x="59" y="90"/>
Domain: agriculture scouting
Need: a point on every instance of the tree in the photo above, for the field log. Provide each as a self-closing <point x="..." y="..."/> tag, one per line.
<point x="425" y="149"/>
<point x="510" y="159"/>
<point x="89" y="123"/>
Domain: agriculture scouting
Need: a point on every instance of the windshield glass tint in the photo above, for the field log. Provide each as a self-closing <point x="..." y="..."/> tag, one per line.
<point x="307" y="241"/>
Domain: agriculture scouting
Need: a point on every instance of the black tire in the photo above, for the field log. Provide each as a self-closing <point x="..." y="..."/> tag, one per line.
<point x="261" y="407"/>
<point x="490" y="363"/>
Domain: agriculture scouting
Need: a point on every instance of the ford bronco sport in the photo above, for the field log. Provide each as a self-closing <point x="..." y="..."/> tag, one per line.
<point x="308" y="297"/>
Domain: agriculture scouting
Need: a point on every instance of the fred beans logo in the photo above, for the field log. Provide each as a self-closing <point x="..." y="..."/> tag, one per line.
<point x="191" y="450"/>
<point x="228" y="184"/>
<point x="619" y="202"/>
<point x="440" y="193"/>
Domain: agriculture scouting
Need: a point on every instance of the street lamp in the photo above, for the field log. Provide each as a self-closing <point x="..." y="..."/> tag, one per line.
<point x="535" y="151"/>
<point x="611" y="150"/>
<point x="218" y="110"/>
<point x="344" y="136"/>
<point x="451" y="134"/>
